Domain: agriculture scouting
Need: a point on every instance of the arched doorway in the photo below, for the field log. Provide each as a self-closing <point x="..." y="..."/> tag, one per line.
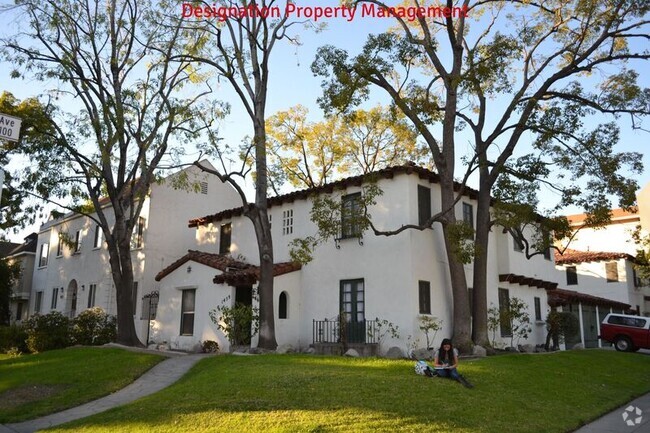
<point x="71" y="299"/>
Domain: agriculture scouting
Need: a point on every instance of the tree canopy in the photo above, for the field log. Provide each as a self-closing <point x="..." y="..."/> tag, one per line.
<point x="517" y="81"/>
<point x="120" y="107"/>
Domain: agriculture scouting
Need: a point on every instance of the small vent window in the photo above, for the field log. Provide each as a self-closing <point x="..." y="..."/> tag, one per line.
<point x="204" y="187"/>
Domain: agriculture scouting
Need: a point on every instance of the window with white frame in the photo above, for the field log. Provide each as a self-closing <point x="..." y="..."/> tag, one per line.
<point x="137" y="239"/>
<point x="187" y="311"/>
<point x="351" y="215"/>
<point x="60" y="245"/>
<point x="611" y="270"/>
<point x="38" y="302"/>
<point x="468" y="214"/>
<point x="283" y="306"/>
<point x="571" y="275"/>
<point x="287" y="222"/>
<point x="99" y="237"/>
<point x="92" y="291"/>
<point x="424" y="297"/>
<point x="78" y="238"/>
<point x="45" y="251"/>
<point x="225" y="238"/>
<point x="55" y="297"/>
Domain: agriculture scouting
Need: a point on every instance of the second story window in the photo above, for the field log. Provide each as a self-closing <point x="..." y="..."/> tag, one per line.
<point x="571" y="276"/>
<point x="611" y="270"/>
<point x="424" y="204"/>
<point x="518" y="245"/>
<point x="351" y="215"/>
<point x="99" y="237"/>
<point x="225" y="239"/>
<point x="59" y="247"/>
<point x="77" y="241"/>
<point x="45" y="250"/>
<point x="468" y="214"/>
<point x="287" y="222"/>
<point x="137" y="239"/>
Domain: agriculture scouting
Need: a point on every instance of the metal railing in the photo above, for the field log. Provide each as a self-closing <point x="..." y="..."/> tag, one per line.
<point x="345" y="332"/>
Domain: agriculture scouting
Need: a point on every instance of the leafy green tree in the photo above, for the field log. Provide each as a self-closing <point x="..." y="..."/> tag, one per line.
<point x="16" y="208"/>
<point x="310" y="154"/>
<point x="504" y="71"/>
<point x="131" y="105"/>
<point x="239" y="50"/>
<point x="8" y="274"/>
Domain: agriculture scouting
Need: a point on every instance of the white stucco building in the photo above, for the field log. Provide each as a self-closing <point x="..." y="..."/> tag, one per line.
<point x="70" y="277"/>
<point x="395" y="278"/>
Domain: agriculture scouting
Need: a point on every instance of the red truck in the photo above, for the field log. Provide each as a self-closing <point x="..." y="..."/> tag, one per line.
<point x="627" y="333"/>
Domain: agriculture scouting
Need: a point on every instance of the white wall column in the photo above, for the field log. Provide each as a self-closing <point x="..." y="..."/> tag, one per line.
<point x="582" y="327"/>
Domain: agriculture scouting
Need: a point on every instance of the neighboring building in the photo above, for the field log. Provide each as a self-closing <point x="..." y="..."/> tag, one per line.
<point x="366" y="277"/>
<point x="72" y="270"/>
<point x="615" y="236"/>
<point x="24" y="256"/>
<point x="606" y="275"/>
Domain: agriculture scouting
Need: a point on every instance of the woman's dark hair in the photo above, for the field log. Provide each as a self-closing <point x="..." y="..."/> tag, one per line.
<point x="447" y="355"/>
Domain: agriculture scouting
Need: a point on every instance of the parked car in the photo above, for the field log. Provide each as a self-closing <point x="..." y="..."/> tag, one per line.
<point x="627" y="333"/>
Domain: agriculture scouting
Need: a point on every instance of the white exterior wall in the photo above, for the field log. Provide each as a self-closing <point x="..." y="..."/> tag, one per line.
<point x="615" y="237"/>
<point x="592" y="279"/>
<point x="390" y="266"/>
<point x="165" y="238"/>
<point x="166" y="327"/>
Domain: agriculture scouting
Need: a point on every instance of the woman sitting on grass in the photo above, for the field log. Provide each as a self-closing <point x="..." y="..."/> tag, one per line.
<point x="446" y="361"/>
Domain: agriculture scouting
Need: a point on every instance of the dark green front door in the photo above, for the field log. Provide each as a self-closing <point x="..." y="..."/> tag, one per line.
<point x="353" y="310"/>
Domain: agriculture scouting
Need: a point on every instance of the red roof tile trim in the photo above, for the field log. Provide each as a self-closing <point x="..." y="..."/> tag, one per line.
<point x="233" y="271"/>
<point x="575" y="256"/>
<point x="558" y="297"/>
<point x="526" y="281"/>
<point x="386" y="173"/>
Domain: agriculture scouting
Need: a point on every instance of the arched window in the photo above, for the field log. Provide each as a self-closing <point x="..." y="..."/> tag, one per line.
<point x="282" y="314"/>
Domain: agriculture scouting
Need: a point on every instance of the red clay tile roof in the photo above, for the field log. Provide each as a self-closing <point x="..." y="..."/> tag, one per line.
<point x="575" y="256"/>
<point x="526" y="281"/>
<point x="558" y="297"/>
<point x="386" y="173"/>
<point x="234" y="272"/>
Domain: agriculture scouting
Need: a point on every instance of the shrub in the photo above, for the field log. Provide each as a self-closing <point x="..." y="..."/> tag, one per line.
<point x="210" y="346"/>
<point x="47" y="332"/>
<point x="93" y="327"/>
<point x="13" y="336"/>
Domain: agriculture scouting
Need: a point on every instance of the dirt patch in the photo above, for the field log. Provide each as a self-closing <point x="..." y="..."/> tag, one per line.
<point x="26" y="394"/>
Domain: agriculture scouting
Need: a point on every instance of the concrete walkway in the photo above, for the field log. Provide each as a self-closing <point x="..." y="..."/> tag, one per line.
<point x="160" y="376"/>
<point x="633" y="417"/>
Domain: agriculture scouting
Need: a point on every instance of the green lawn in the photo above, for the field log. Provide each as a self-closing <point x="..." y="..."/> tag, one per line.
<point x="35" y="385"/>
<point x="301" y="393"/>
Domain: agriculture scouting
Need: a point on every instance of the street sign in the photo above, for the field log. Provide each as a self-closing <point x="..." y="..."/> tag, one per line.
<point x="9" y="127"/>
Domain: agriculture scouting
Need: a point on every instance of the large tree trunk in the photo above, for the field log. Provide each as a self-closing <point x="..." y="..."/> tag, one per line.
<point x="264" y="240"/>
<point x="461" y="317"/>
<point x="122" y="271"/>
<point x="479" y="302"/>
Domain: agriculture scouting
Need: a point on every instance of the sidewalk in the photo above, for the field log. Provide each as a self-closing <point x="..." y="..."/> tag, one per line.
<point x="160" y="376"/>
<point x="633" y="417"/>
